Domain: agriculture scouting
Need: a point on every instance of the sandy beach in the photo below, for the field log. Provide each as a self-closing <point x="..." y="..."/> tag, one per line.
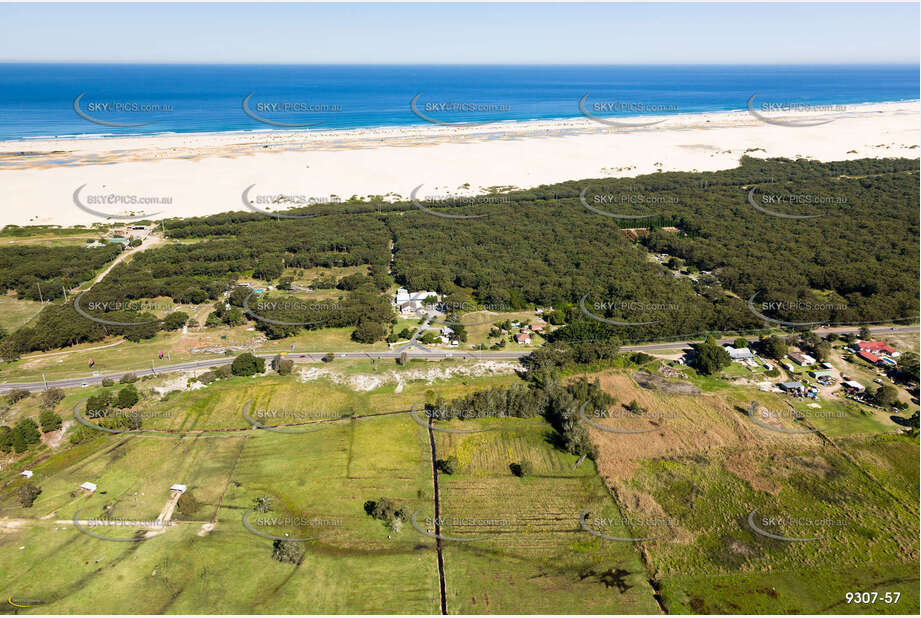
<point x="206" y="173"/>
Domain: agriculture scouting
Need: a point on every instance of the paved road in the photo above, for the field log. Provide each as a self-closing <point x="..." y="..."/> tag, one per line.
<point x="425" y="354"/>
<point x="686" y="345"/>
<point x="305" y="357"/>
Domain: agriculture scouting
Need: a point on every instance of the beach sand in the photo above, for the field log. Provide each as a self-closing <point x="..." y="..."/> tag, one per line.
<point x="207" y="173"/>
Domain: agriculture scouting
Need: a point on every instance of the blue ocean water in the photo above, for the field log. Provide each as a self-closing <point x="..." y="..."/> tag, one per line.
<point x="39" y="99"/>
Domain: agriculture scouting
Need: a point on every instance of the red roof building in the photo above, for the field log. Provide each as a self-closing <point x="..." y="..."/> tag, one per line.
<point x="867" y="356"/>
<point x="875" y="346"/>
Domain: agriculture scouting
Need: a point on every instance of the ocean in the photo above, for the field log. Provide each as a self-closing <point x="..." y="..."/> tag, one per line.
<point x="71" y="100"/>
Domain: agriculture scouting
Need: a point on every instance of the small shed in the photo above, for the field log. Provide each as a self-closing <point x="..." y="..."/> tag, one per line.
<point x="180" y="488"/>
<point x="90" y="487"/>
<point x="26" y="473"/>
<point x="854" y="386"/>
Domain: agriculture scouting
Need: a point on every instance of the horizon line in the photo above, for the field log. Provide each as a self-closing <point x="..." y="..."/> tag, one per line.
<point x="463" y="64"/>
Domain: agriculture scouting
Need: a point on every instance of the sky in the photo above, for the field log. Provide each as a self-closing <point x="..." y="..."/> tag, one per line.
<point x="683" y="33"/>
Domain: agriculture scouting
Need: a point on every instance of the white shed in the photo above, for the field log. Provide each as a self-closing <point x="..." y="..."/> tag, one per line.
<point x="26" y="473"/>
<point x="88" y="486"/>
<point x="180" y="488"/>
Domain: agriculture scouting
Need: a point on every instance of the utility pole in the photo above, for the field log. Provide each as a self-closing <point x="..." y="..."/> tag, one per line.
<point x="45" y="381"/>
<point x="65" y="294"/>
<point x="40" y="299"/>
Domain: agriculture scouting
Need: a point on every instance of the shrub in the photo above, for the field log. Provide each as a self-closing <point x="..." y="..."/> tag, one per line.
<point x="51" y="398"/>
<point x="247" y="365"/>
<point x="128" y="378"/>
<point x="25" y="434"/>
<point x="448" y="466"/>
<point x="127" y="397"/>
<point x="50" y="421"/>
<point x="6" y="439"/>
<point x="208" y="377"/>
<point x="108" y="382"/>
<point x="17" y="395"/>
<point x="283" y="366"/>
<point x="521" y="469"/>
<point x="27" y="494"/>
<point x="263" y="504"/>
<point x="384" y="509"/>
<point x="175" y="320"/>
<point x="710" y="358"/>
<point x="287" y="551"/>
<point x="369" y="332"/>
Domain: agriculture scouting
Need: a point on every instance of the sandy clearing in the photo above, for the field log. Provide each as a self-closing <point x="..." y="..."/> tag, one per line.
<point x="368" y="382"/>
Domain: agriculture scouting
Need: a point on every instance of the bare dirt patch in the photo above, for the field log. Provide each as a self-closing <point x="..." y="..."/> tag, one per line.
<point x="704" y="425"/>
<point x="368" y="382"/>
<point x="658" y="383"/>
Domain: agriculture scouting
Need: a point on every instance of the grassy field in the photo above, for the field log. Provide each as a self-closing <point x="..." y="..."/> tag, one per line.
<point x="534" y="558"/>
<point x="684" y="490"/>
<point x="187" y="568"/>
<point x="358" y="564"/>
<point x="706" y="466"/>
<point x="15" y="313"/>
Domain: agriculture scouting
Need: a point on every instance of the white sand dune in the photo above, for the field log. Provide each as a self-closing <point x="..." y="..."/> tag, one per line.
<point x="207" y="173"/>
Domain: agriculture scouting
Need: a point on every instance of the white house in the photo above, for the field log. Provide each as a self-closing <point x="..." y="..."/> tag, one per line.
<point x="411" y="302"/>
<point x="90" y="487"/>
<point x="26" y="473"/>
<point x="738" y="354"/>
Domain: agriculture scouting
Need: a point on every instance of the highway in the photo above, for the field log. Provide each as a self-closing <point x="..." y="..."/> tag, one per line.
<point x="411" y="353"/>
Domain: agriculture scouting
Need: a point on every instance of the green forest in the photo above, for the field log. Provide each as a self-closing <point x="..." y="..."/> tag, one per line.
<point x="855" y="260"/>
